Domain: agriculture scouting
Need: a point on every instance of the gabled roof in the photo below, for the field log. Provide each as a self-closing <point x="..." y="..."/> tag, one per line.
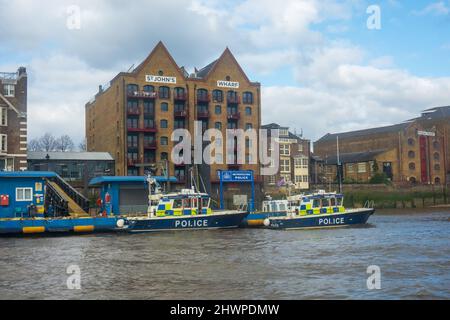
<point x="202" y="73"/>
<point x="365" y="132"/>
<point x="353" y="157"/>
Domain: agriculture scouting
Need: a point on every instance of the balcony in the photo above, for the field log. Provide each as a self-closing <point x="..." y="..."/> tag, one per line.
<point x="142" y="94"/>
<point x="150" y="145"/>
<point x="149" y="129"/>
<point x="133" y="112"/>
<point x="181" y="114"/>
<point x="202" y="114"/>
<point x="234" y="116"/>
<point x="203" y="98"/>
<point x="234" y="99"/>
<point x="132" y="162"/>
<point x="180" y="96"/>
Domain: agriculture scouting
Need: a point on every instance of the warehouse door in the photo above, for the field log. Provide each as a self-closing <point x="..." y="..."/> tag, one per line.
<point x="133" y="199"/>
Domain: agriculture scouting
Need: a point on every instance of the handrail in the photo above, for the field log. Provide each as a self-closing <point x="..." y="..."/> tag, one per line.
<point x="76" y="196"/>
<point x="60" y="205"/>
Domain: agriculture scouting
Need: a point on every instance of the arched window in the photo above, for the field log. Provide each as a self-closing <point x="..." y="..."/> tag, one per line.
<point x="202" y="95"/>
<point x="218" y="125"/>
<point x="248" y="111"/>
<point x="179" y="93"/>
<point x="149" y="88"/>
<point x="217" y="96"/>
<point x="411" y="142"/>
<point x="163" y="124"/>
<point x="412" y="166"/>
<point x="411" y="154"/>
<point x="436" y="145"/>
<point x="164" y="92"/>
<point x="218" y="110"/>
<point x="132" y="88"/>
<point x="164" y="107"/>
<point x="413" y="180"/>
<point x="164" y="142"/>
<point x="247" y="98"/>
<point x="437" y="180"/>
<point x="436" y="156"/>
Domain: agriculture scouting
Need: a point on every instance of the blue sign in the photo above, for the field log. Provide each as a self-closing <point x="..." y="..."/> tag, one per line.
<point x="236" y="176"/>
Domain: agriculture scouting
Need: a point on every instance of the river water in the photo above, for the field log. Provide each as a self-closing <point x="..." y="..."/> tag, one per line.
<point x="412" y="250"/>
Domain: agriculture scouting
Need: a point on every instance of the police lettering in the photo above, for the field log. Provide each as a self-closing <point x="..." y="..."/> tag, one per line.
<point x="331" y="221"/>
<point x="191" y="223"/>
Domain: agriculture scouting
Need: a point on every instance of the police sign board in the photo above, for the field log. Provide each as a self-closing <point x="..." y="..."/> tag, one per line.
<point x="236" y="176"/>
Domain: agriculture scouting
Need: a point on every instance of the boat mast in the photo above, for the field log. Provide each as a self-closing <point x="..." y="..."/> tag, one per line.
<point x="338" y="165"/>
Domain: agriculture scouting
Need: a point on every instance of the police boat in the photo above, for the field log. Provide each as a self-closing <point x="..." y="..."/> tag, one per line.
<point x="270" y="208"/>
<point x="185" y="210"/>
<point x="319" y="210"/>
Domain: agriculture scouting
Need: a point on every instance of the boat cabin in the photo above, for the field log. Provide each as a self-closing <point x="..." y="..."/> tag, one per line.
<point x="184" y="203"/>
<point x="317" y="203"/>
<point x="275" y="206"/>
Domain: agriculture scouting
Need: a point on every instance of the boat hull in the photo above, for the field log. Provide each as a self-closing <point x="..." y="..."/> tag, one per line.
<point x="356" y="217"/>
<point x="58" y="225"/>
<point x="196" y="222"/>
<point x="255" y="220"/>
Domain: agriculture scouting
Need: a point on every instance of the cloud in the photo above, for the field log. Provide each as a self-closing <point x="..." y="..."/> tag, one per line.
<point x="437" y="8"/>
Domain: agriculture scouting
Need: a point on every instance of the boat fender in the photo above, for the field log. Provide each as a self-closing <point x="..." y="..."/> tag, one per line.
<point x="120" y="223"/>
<point x="266" y="222"/>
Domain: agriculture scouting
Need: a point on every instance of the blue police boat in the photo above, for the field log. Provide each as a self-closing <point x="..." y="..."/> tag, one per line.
<point x="319" y="210"/>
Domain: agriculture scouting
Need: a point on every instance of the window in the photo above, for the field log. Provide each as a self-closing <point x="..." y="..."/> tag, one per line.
<point x="9" y="90"/>
<point x="179" y="92"/>
<point x="3" y="116"/>
<point x="218" y="110"/>
<point x="436" y="145"/>
<point x="149" y="123"/>
<point x="298" y="179"/>
<point x="232" y="96"/>
<point x="149" y="88"/>
<point x="218" y="125"/>
<point x="411" y="142"/>
<point x="305" y="163"/>
<point x="133" y="141"/>
<point x="217" y="96"/>
<point x="300" y="147"/>
<point x="164" y="142"/>
<point x="248" y="126"/>
<point x="285" y="165"/>
<point x="412" y="166"/>
<point x="248" y="111"/>
<point x="361" y="167"/>
<point x="24" y="194"/>
<point x="132" y="123"/>
<point x="411" y="154"/>
<point x="163" y="124"/>
<point x="285" y="150"/>
<point x="350" y="168"/>
<point x="133" y="105"/>
<point x="436" y="156"/>
<point x="247" y="97"/>
<point x="164" y="155"/>
<point x="305" y="178"/>
<point x="164" y="92"/>
<point x="149" y="108"/>
<point x="271" y="180"/>
<point x="179" y="124"/>
<point x="437" y="167"/>
<point x="164" y="107"/>
<point x="132" y="88"/>
<point x="3" y="143"/>
<point x="202" y="94"/>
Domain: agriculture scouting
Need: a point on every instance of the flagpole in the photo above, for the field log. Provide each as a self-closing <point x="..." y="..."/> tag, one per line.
<point x="338" y="164"/>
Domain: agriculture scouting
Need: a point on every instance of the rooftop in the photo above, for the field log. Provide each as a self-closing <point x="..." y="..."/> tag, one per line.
<point x="27" y="174"/>
<point x="365" y="132"/>
<point x="129" y="179"/>
<point x="353" y="157"/>
<point x="86" y="156"/>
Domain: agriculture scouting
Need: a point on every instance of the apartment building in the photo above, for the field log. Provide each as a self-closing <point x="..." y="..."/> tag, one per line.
<point x="13" y="120"/>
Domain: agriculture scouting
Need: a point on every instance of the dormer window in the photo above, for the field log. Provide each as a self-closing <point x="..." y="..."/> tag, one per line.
<point x="9" y="90"/>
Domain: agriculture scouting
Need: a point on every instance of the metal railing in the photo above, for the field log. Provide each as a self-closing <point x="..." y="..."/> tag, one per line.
<point x="60" y="206"/>
<point x="9" y="75"/>
<point x="76" y="196"/>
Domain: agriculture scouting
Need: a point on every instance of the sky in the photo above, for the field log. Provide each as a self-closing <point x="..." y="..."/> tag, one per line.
<point x="325" y="66"/>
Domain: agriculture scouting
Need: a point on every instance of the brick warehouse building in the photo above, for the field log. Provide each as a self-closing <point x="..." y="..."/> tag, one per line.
<point x="294" y="157"/>
<point x="13" y="120"/>
<point x="134" y="116"/>
<point x="415" y="151"/>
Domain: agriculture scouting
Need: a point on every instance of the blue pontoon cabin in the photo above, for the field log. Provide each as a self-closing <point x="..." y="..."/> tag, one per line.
<point x="126" y="195"/>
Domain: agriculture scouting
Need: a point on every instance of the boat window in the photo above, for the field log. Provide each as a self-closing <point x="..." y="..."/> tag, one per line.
<point x="282" y="207"/>
<point x="273" y="207"/>
<point x="316" y="203"/>
<point x="333" y="202"/>
<point x="177" y="204"/>
<point x="205" y="203"/>
<point x="325" y="202"/>
<point x="194" y="203"/>
<point x="339" y="202"/>
<point x="186" y="203"/>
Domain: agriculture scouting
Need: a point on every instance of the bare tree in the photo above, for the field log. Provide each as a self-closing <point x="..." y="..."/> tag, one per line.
<point x="34" y="145"/>
<point x="64" y="143"/>
<point x="47" y="142"/>
<point x="82" y="146"/>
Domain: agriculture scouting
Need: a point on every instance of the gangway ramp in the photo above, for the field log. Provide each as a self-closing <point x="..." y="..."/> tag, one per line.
<point x="75" y="210"/>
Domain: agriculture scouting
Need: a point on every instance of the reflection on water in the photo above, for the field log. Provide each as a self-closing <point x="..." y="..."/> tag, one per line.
<point x="412" y="250"/>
